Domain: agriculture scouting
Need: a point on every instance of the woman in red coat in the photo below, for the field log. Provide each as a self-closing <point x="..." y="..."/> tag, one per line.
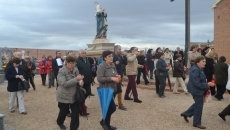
<point x="50" y="70"/>
<point x="43" y="70"/>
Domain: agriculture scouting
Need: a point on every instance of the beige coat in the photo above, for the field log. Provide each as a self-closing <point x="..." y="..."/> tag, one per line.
<point x="191" y="57"/>
<point x="132" y="65"/>
<point x="67" y="84"/>
<point x="168" y="57"/>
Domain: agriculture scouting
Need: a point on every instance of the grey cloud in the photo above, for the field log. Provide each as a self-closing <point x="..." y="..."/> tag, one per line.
<point x="71" y="24"/>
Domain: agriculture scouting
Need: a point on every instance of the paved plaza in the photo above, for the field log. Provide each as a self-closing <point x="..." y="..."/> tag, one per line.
<point x="153" y="113"/>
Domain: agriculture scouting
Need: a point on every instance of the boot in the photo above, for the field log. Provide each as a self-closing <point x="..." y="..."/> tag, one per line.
<point x="225" y="112"/>
<point x="84" y="110"/>
<point x="34" y="88"/>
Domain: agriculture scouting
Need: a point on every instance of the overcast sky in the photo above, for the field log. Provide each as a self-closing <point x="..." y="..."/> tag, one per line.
<point x="71" y="24"/>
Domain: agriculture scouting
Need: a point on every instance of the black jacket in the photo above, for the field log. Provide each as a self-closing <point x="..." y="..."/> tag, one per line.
<point x="26" y="70"/>
<point x="209" y="67"/>
<point x="11" y="77"/>
<point x="119" y="67"/>
<point x="221" y="73"/>
<point x="85" y="69"/>
<point x="55" y="66"/>
<point x="150" y="63"/>
<point x="141" y="60"/>
<point x="178" y="69"/>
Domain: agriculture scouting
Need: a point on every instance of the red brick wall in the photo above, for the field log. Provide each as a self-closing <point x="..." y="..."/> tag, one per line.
<point x="38" y="53"/>
<point x="222" y="29"/>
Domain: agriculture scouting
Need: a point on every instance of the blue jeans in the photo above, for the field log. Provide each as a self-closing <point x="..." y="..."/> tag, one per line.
<point x="196" y="109"/>
<point x="51" y="80"/>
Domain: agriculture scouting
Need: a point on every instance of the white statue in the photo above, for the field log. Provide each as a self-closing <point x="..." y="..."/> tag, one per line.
<point x="101" y="16"/>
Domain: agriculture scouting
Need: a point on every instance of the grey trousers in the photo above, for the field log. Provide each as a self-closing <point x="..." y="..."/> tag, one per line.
<point x="12" y="97"/>
<point x="196" y="109"/>
<point x="162" y="85"/>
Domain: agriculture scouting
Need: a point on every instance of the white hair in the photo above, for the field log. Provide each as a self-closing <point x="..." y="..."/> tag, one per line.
<point x="80" y="51"/>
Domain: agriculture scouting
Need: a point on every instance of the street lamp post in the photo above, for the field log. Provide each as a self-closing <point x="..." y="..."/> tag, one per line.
<point x="187" y="29"/>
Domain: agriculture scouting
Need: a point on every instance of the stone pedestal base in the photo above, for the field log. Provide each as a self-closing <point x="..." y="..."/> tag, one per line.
<point x="101" y="41"/>
<point x="96" y="49"/>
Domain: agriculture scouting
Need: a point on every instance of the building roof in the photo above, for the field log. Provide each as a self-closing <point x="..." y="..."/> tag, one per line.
<point x="202" y="43"/>
<point x="217" y="2"/>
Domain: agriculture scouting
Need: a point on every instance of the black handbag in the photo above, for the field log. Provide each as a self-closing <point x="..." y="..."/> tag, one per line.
<point x="80" y="95"/>
<point x="23" y="85"/>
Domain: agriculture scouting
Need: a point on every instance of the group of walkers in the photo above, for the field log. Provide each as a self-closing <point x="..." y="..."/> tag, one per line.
<point x="73" y="72"/>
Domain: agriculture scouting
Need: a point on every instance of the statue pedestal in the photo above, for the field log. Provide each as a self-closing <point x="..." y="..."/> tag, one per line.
<point x="98" y="46"/>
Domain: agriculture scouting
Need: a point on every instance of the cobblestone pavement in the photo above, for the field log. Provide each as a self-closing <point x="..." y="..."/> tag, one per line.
<point x="153" y="114"/>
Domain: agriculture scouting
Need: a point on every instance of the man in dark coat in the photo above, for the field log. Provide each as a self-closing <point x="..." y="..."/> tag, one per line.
<point x="119" y="61"/>
<point x="57" y="63"/>
<point x="178" y="51"/>
<point x="84" y="67"/>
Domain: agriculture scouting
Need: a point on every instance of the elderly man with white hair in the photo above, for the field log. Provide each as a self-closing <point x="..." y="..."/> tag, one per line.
<point x="18" y="55"/>
<point x="84" y="67"/>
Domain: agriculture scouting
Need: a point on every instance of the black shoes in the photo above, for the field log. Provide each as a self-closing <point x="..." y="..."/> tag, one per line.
<point x="106" y="127"/>
<point x="128" y="98"/>
<point x="112" y="128"/>
<point x="163" y="96"/>
<point x="91" y="94"/>
<point x="199" y="126"/>
<point x="137" y="101"/>
<point x="218" y="98"/>
<point x="185" y="117"/>
<point x="122" y="108"/>
<point x="222" y="116"/>
<point x="62" y="127"/>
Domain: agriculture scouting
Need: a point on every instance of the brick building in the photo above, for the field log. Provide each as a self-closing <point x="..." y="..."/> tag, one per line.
<point x="38" y="53"/>
<point x="222" y="28"/>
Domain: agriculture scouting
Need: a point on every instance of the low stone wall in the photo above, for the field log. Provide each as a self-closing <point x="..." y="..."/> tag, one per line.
<point x="2" y="76"/>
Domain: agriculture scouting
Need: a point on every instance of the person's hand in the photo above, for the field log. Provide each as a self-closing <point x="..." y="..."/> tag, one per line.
<point x="81" y="82"/>
<point x="167" y="68"/>
<point x="185" y="68"/>
<point x="117" y="62"/>
<point x="17" y="76"/>
<point x="119" y="77"/>
<point x="141" y="66"/>
<point x="115" y="79"/>
<point x="152" y="59"/>
<point x="145" y="59"/>
<point x="210" y="84"/>
<point x="79" y="77"/>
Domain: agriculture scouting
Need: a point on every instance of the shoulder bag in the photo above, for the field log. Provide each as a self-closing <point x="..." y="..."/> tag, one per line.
<point x="23" y="85"/>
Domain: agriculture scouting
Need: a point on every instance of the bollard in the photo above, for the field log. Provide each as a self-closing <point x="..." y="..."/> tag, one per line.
<point x="1" y="122"/>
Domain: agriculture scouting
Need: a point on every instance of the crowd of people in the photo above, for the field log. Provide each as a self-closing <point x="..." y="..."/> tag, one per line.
<point x="73" y="71"/>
